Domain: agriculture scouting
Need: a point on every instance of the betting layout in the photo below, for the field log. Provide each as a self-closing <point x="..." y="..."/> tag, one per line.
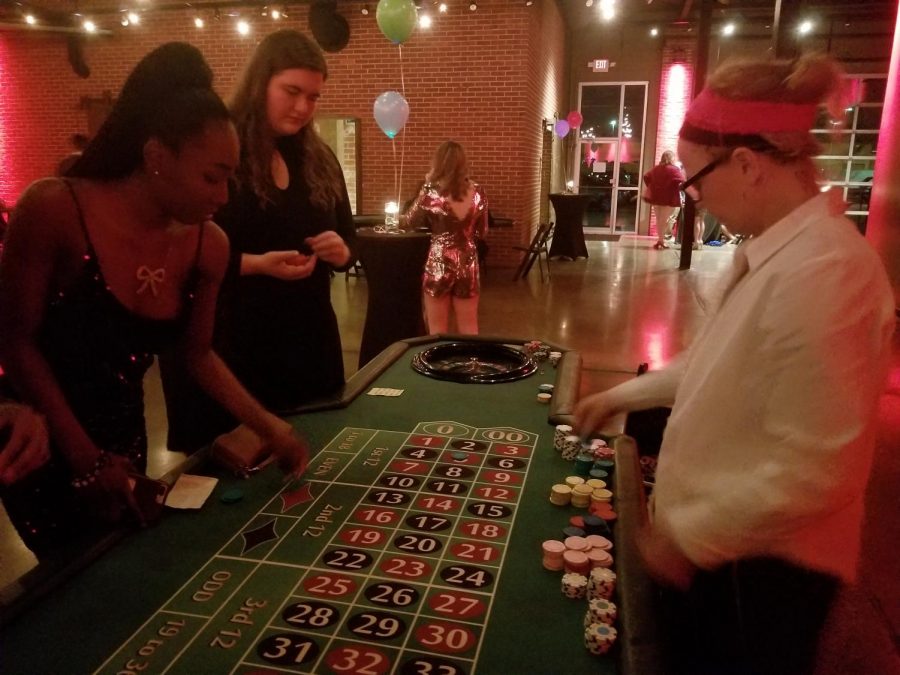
<point x="384" y="560"/>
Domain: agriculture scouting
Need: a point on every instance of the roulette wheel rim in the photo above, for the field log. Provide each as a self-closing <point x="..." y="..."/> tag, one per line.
<point x="474" y="363"/>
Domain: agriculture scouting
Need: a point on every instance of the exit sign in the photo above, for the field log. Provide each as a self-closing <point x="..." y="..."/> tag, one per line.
<point x="599" y="65"/>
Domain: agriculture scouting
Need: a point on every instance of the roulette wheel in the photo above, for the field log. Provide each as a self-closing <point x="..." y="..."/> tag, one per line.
<point x="474" y="363"/>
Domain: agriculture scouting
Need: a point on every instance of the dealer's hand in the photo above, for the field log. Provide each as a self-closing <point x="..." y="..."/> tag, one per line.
<point x="330" y="247"/>
<point x="28" y="447"/>
<point x="593" y="411"/>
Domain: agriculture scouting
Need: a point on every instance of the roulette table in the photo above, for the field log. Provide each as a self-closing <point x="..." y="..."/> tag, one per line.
<point x="412" y="544"/>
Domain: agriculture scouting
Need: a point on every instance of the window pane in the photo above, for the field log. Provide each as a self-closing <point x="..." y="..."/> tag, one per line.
<point x="858" y="198"/>
<point x="860" y="221"/>
<point x="864" y="145"/>
<point x="824" y="121"/>
<point x="869" y="118"/>
<point x="626" y="210"/>
<point x="874" y="90"/>
<point x="834" y="143"/>
<point x="862" y="170"/>
<point x="832" y="170"/>
<point x="633" y="113"/>
<point x="597" y="163"/>
<point x="600" y="110"/>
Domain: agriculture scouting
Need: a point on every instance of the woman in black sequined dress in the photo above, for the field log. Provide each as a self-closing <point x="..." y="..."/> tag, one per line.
<point x="101" y="271"/>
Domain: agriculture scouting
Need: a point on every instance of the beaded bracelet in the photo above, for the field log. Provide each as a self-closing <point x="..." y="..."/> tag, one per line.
<point x="90" y="477"/>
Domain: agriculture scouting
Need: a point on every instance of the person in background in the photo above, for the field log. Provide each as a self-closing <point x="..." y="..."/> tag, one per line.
<point x="103" y="269"/>
<point x="290" y="225"/>
<point x="758" y="513"/>
<point x="24" y="446"/>
<point x="662" y="193"/>
<point x="455" y="209"/>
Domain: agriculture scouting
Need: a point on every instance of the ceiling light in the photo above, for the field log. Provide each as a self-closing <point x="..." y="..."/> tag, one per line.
<point x="728" y="29"/>
<point x="442" y="8"/>
<point x="588" y="3"/>
<point x="425" y="21"/>
<point x="134" y="17"/>
<point x="89" y="26"/>
<point x="654" y="31"/>
<point x="473" y="6"/>
<point x="30" y="19"/>
<point x="805" y="27"/>
<point x="243" y="27"/>
<point x="365" y="10"/>
<point x="198" y="22"/>
<point x="275" y="14"/>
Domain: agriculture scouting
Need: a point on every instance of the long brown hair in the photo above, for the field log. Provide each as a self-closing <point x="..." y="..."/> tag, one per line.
<point x="278" y="51"/>
<point x="450" y="170"/>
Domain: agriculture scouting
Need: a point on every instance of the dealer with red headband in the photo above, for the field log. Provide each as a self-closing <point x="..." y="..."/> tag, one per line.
<point x="759" y="490"/>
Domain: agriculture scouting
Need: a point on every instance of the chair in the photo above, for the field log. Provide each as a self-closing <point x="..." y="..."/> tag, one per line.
<point x="533" y="252"/>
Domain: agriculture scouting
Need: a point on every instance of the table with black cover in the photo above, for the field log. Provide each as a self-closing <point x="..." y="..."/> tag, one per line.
<point x="568" y="235"/>
<point x="411" y="545"/>
<point x="393" y="264"/>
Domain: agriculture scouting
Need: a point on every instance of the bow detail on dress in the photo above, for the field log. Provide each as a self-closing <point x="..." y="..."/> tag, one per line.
<point x="150" y="279"/>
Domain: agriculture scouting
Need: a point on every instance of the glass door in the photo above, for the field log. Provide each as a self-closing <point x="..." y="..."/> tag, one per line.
<point x="609" y="157"/>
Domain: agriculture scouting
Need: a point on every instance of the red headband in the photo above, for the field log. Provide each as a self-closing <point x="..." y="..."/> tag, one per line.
<point x="713" y="118"/>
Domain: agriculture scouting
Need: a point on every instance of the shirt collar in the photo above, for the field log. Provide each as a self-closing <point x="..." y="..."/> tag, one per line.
<point x="759" y="249"/>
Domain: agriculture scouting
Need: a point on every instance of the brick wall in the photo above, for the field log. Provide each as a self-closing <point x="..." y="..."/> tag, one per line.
<point x="485" y="79"/>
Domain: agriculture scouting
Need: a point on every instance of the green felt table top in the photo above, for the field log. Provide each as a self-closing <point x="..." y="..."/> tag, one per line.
<point x="532" y="627"/>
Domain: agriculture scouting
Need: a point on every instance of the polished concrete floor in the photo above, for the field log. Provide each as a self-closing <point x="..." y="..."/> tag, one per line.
<point x="625" y="305"/>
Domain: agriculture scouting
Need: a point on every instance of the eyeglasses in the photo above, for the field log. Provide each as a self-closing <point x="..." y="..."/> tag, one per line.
<point x="705" y="171"/>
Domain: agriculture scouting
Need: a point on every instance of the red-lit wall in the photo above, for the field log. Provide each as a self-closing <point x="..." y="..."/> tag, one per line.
<point x="481" y="78"/>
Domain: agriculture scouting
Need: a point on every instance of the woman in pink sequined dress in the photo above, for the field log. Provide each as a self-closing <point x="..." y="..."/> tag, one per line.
<point x="455" y="210"/>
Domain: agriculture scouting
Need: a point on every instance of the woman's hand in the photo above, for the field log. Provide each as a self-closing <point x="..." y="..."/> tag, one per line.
<point x="28" y="447"/>
<point x="291" y="449"/>
<point x="330" y="247"/>
<point x="284" y="265"/>
<point x="109" y="495"/>
<point x="593" y="411"/>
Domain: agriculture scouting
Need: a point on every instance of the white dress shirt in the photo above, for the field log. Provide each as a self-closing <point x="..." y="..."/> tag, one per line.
<point x="770" y="441"/>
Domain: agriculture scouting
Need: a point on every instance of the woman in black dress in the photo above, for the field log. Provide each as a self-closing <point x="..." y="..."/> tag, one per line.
<point x="289" y="222"/>
<point x="107" y="267"/>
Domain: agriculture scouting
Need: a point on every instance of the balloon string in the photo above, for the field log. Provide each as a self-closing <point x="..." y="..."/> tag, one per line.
<point x="403" y="140"/>
<point x="402" y="80"/>
<point x="394" y="149"/>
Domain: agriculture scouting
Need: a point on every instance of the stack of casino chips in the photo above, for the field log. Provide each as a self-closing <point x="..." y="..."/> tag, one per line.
<point x="600" y="610"/>
<point x="601" y="583"/>
<point x="599" y="638"/>
<point x="574" y="586"/>
<point x="571" y="448"/>
<point x="553" y="555"/>
<point x="545" y="393"/>
<point x="559" y="435"/>
<point x="555" y="357"/>
<point x="537" y="350"/>
<point x="581" y="496"/>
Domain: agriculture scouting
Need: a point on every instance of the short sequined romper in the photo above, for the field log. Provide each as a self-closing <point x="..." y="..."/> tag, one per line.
<point x="452" y="264"/>
<point x="99" y="352"/>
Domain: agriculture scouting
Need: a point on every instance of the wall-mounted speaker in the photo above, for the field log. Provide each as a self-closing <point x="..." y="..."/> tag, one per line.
<point x="75" y="49"/>
<point x="329" y="28"/>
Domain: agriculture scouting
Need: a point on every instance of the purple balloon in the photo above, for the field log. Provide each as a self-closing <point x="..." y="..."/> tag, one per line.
<point x="561" y="128"/>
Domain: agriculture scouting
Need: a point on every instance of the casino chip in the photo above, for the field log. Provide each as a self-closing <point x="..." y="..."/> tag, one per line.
<point x="232" y="496"/>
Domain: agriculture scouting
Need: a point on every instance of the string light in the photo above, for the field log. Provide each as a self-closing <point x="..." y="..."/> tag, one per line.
<point x="425" y="21"/>
<point x="365" y="10"/>
<point x="442" y="8"/>
<point x="473" y="6"/>
<point x="198" y="22"/>
<point x="243" y="27"/>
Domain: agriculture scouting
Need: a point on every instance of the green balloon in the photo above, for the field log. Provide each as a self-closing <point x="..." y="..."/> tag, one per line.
<point x="396" y="19"/>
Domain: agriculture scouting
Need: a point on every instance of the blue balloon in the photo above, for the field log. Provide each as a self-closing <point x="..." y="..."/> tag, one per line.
<point x="391" y="112"/>
<point x="561" y="128"/>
